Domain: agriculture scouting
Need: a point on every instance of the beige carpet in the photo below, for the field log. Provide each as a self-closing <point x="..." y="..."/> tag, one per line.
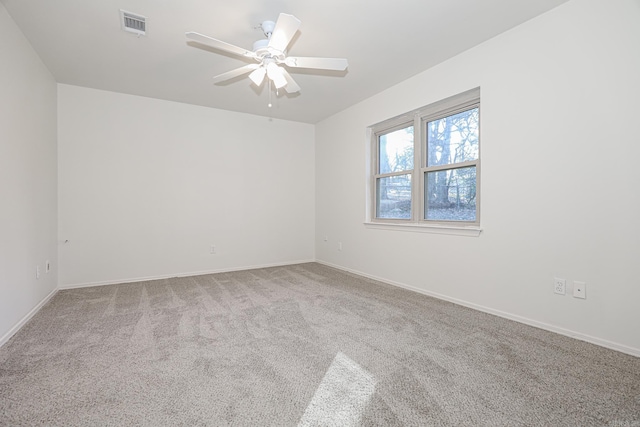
<point x="299" y="345"/>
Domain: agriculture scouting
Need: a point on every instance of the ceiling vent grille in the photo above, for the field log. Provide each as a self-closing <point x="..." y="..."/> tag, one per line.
<point x="131" y="22"/>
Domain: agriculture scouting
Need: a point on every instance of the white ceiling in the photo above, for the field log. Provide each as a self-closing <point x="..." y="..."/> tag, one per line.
<point x="385" y="42"/>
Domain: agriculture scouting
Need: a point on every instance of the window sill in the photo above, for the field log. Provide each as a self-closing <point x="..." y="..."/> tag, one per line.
<point x="471" y="231"/>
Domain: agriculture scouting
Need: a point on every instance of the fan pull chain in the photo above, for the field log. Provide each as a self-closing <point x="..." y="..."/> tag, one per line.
<point x="270" y="104"/>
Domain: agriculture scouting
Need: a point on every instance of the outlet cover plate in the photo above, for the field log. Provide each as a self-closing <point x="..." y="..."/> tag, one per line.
<point x="559" y="286"/>
<point x="579" y="290"/>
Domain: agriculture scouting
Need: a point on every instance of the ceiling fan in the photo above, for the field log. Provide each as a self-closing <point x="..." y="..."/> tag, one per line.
<point x="270" y="55"/>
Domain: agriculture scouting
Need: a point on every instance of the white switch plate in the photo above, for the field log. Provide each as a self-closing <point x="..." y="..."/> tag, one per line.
<point x="579" y="290"/>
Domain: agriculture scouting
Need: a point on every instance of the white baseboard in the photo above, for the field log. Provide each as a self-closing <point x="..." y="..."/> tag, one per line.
<point x="541" y="325"/>
<point x="187" y="274"/>
<point x="548" y="327"/>
<point x="6" y="337"/>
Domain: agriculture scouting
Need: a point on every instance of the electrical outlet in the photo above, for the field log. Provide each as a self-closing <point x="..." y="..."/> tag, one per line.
<point x="212" y="250"/>
<point x="339" y="246"/>
<point x="579" y="290"/>
<point x="559" y="286"/>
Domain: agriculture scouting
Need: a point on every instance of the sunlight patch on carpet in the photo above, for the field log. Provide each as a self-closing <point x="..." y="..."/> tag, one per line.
<point x="342" y="396"/>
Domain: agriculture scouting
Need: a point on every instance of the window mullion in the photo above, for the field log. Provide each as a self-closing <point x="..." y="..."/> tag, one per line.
<point x="416" y="205"/>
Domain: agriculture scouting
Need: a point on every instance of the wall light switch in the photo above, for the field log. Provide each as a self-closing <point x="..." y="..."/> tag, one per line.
<point x="579" y="290"/>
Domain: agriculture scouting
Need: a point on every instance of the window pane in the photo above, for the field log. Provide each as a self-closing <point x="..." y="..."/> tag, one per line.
<point x="451" y="195"/>
<point x="453" y="139"/>
<point x="394" y="197"/>
<point x="396" y="151"/>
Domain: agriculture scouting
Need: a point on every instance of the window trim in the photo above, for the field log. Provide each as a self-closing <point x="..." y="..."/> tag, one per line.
<point x="419" y="119"/>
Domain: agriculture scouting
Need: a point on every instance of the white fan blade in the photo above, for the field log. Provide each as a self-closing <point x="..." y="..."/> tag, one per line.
<point x="235" y="73"/>
<point x="292" y="86"/>
<point x="218" y="44"/>
<point x="285" y="29"/>
<point x="335" y="64"/>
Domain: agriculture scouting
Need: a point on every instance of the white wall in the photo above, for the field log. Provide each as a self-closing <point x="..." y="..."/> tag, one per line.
<point x="146" y="186"/>
<point x="560" y="180"/>
<point x="28" y="218"/>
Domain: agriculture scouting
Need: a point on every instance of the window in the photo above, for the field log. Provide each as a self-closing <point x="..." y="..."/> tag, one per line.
<point x="426" y="165"/>
<point x="395" y="167"/>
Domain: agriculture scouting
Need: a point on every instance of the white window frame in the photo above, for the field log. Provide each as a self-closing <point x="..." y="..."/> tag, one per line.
<point x="419" y="119"/>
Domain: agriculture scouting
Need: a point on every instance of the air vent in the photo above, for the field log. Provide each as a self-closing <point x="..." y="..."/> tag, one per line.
<point x="133" y="23"/>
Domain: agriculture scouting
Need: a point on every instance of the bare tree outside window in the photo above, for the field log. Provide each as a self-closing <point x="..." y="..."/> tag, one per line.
<point x="452" y="141"/>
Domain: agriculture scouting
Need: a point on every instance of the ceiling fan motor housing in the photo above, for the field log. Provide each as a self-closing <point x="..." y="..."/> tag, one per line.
<point x="260" y="45"/>
<point x="262" y="50"/>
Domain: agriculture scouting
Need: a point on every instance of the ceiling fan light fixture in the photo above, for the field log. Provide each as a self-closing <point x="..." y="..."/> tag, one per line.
<point x="275" y="74"/>
<point x="257" y="76"/>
